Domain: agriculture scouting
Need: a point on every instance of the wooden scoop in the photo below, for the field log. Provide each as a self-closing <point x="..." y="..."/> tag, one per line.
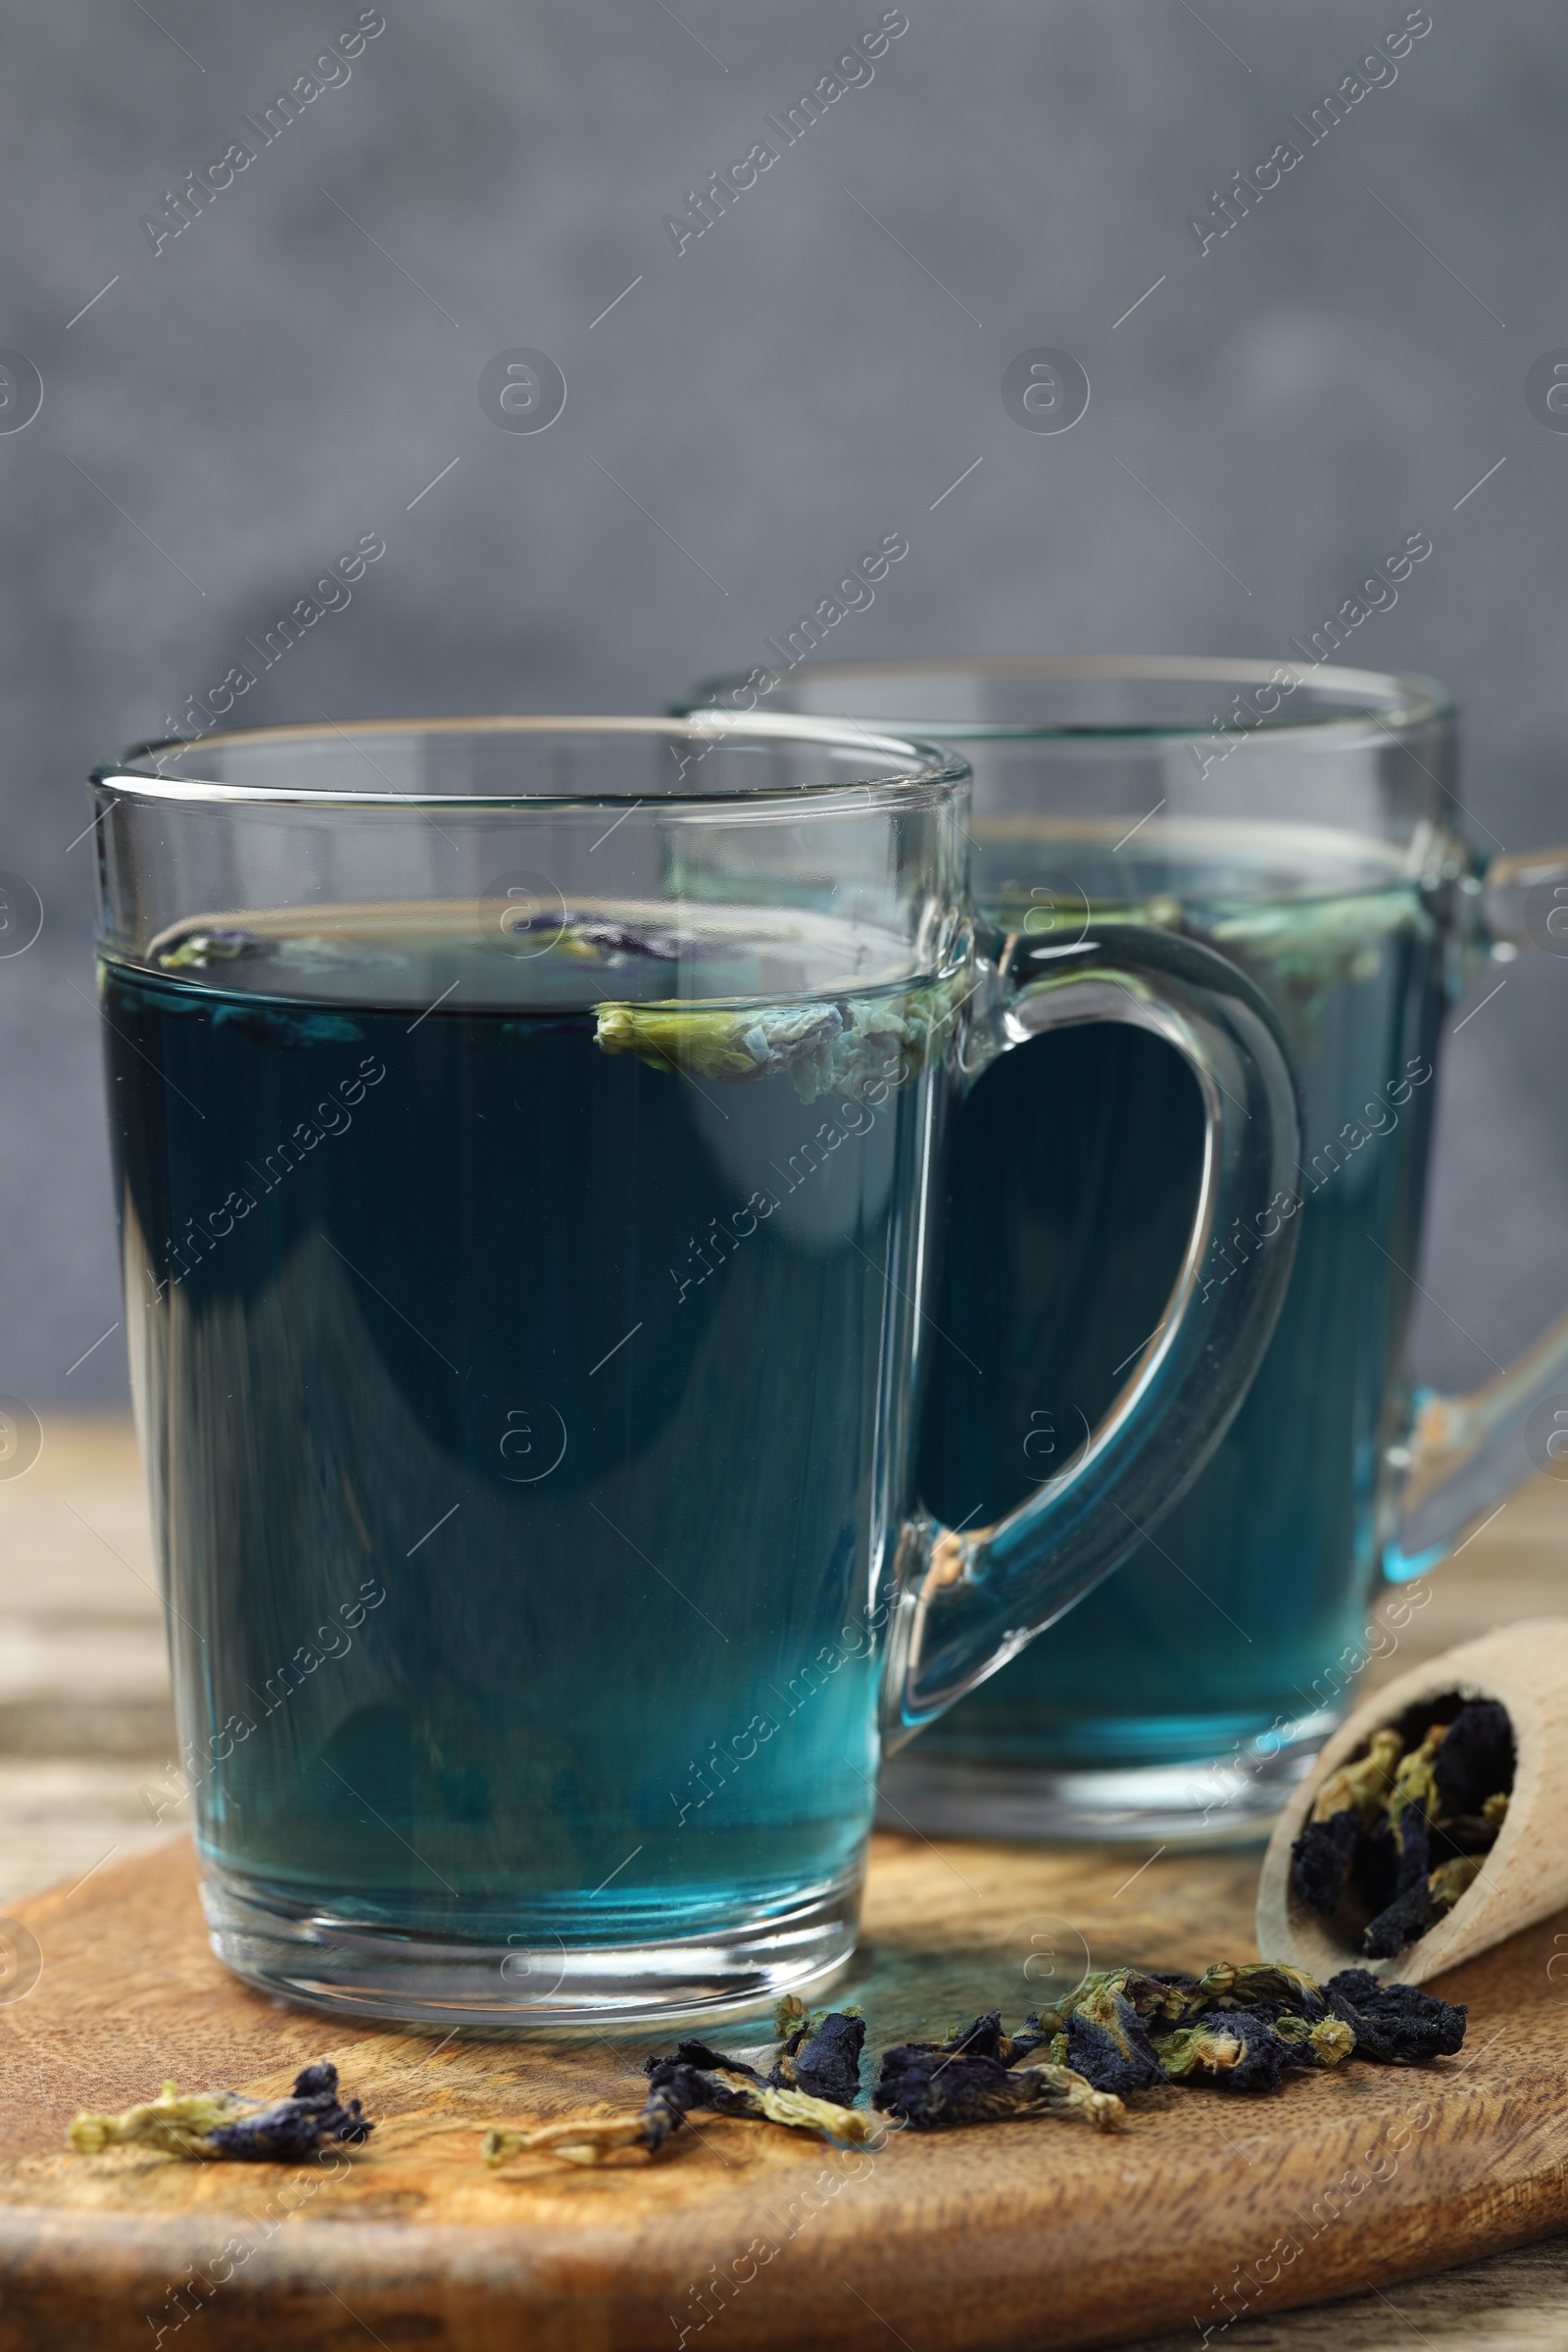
<point x="1525" y="1877"/>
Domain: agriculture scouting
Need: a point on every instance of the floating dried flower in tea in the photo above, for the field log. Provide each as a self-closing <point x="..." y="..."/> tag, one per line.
<point x="1399" y="1835"/>
<point x="197" y="948"/>
<point x="1304" y="947"/>
<point x="834" y="1048"/>
<point x="584" y="936"/>
<point x="214" y="2123"/>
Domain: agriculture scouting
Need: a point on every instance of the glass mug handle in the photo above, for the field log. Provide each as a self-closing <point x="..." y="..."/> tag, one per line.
<point x="1461" y="1455"/>
<point x="968" y="1602"/>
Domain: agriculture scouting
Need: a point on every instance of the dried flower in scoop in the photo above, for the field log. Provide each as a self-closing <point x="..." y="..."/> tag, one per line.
<point x="1397" y="1829"/>
<point x="1474" y="1765"/>
<point x="1398" y="1922"/>
<point x="1348" y="1801"/>
<point x="972" y="2078"/>
<point x="207" y="2123"/>
<point x="1421" y="1906"/>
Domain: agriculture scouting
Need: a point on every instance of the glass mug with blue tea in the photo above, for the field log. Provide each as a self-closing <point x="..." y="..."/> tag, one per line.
<point x="1302" y="823"/>
<point x="525" y="1133"/>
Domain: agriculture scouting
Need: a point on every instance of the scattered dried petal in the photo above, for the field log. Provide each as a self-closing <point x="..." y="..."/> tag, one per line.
<point x="1237" y="2050"/>
<point x="936" y="2086"/>
<point x="1398" y="2023"/>
<point x="695" y="2077"/>
<point x="217" y="2124"/>
<point x="1106" y="2040"/>
<point x="579" y="2139"/>
<point x="823" y="2059"/>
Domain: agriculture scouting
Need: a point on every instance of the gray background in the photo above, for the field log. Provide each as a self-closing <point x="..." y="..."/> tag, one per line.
<point x="803" y="379"/>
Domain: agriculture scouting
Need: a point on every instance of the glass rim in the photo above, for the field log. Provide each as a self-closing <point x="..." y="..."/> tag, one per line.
<point x="1393" y="699"/>
<point x="928" y="770"/>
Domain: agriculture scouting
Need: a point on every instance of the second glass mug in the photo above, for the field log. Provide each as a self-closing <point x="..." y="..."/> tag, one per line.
<point x="525" y="1135"/>
<point x="1304" y="823"/>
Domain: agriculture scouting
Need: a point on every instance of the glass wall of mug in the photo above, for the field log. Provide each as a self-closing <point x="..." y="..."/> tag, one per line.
<point x="525" y="1134"/>
<point x="1305" y="824"/>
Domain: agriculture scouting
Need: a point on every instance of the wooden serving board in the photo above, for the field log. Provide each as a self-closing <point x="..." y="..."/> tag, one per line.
<point x="1204" y="2206"/>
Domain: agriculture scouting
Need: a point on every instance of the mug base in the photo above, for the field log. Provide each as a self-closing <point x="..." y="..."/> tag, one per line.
<point x="305" y="1954"/>
<point x="1231" y="1798"/>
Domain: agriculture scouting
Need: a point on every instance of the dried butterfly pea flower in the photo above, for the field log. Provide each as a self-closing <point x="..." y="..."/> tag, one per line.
<point x="972" y="2078"/>
<point x="983" y="2037"/>
<point x="1421" y="1906"/>
<point x="1475" y="1763"/>
<point x="715" y="1042"/>
<point x="586" y="2139"/>
<point x="214" y="2123"/>
<point x="1451" y="1879"/>
<point x="1348" y="1801"/>
<point x="1322" y="1857"/>
<point x="1245" y="2028"/>
<point x="1398" y="2023"/>
<point x="1325" y="2044"/>
<point x="1392" y="1865"/>
<point x="583" y="936"/>
<point x="1104" y="2039"/>
<point x="823" y="2059"/>
<point x="835" y="1048"/>
<point x="1415" y="1784"/>
<point x="1222" y="1984"/>
<point x="1398" y="1922"/>
<point x="1308" y="946"/>
<point x="1250" y="2049"/>
<point x="696" y="2078"/>
<point x="1397" y="1836"/>
<point x="197" y="948"/>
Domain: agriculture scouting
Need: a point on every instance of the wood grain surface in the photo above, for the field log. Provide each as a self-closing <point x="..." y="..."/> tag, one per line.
<point x="1016" y="2235"/>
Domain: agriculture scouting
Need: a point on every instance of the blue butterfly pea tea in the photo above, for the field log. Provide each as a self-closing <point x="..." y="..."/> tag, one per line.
<point x="1299" y="819"/>
<point x="459" y="1345"/>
